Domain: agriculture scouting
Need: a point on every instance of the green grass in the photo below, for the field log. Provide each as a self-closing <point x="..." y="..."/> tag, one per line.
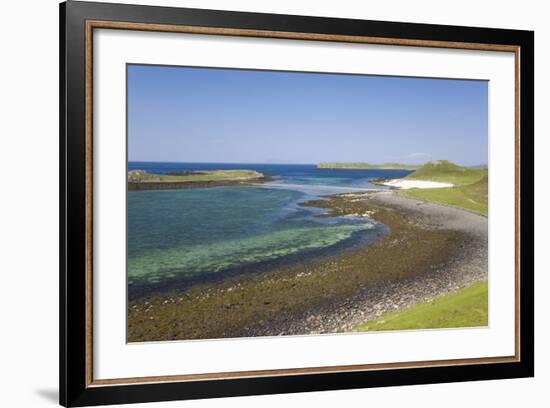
<point x="445" y="171"/>
<point x="470" y="189"/>
<point x="465" y="308"/>
<point x="471" y="197"/>
<point x="212" y="175"/>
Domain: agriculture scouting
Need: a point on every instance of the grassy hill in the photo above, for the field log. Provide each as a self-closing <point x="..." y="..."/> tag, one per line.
<point x="472" y="197"/>
<point x="137" y="176"/>
<point x="470" y="190"/>
<point x="367" y="166"/>
<point x="444" y="170"/>
<point x="464" y="308"/>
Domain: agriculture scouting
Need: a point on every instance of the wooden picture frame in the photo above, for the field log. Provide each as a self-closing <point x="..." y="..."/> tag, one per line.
<point x="78" y="20"/>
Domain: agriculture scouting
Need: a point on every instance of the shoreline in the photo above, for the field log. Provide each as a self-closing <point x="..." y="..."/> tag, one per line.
<point x="431" y="250"/>
<point x="467" y="266"/>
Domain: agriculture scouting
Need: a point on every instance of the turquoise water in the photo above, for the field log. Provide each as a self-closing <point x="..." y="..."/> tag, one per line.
<point x="185" y="235"/>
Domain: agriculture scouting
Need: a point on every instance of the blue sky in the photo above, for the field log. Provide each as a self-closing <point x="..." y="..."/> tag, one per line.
<point x="181" y="114"/>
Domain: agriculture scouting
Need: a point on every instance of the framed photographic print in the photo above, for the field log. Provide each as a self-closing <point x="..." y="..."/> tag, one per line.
<point x="256" y="203"/>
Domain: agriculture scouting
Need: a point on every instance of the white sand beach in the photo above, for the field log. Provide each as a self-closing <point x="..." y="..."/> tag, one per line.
<point x="407" y="184"/>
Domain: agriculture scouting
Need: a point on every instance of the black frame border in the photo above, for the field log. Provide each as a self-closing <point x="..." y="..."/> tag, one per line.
<point x="72" y="124"/>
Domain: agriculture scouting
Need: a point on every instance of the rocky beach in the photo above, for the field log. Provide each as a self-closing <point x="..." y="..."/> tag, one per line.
<point x="430" y="250"/>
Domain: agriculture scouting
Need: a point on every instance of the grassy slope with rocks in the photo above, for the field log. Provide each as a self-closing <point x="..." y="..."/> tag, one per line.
<point x="470" y="189"/>
<point x="466" y="307"/>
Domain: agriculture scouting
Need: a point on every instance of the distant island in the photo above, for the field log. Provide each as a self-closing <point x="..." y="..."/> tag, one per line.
<point x="367" y="166"/>
<point x="142" y="180"/>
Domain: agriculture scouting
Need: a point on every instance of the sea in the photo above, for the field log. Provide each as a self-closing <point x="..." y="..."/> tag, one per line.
<point x="176" y="238"/>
